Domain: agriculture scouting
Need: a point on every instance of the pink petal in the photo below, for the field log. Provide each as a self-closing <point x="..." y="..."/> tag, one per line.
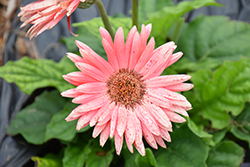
<point x="184" y="104"/>
<point x="165" y="135"/>
<point x="156" y="59"/>
<point x="94" y="104"/>
<point x="78" y="78"/>
<point x="175" y="117"/>
<point x="158" y="65"/>
<point x="93" y="87"/>
<point x="180" y="87"/>
<point x="157" y="99"/>
<point x="105" y="35"/>
<point x="38" y="5"/>
<point x="147" y="53"/>
<point x="74" y="58"/>
<point x="98" y="114"/>
<point x="167" y="94"/>
<point x="149" y="137"/>
<point x="174" y="58"/>
<point x="130" y="132"/>
<point x="119" y="48"/>
<point x="166" y="80"/>
<point x="108" y="112"/>
<point x="94" y="59"/>
<point x="104" y="120"/>
<point x="49" y="11"/>
<point x="97" y="130"/>
<point x="179" y="110"/>
<point x="147" y="120"/>
<point x="92" y="71"/>
<point x="71" y="93"/>
<point x="159" y="115"/>
<point x="135" y="50"/>
<point x="145" y="32"/>
<point x="72" y="116"/>
<point x="97" y="61"/>
<point x="104" y="135"/>
<point x="84" y="119"/>
<point x="50" y="24"/>
<point x="110" y="55"/>
<point x="29" y="19"/>
<point x="114" y="121"/>
<point x="85" y="98"/>
<point x="140" y="147"/>
<point x="121" y="120"/>
<point x="118" y="143"/>
<point x="138" y="135"/>
<point x="128" y="45"/>
<point x="72" y="7"/>
<point x="137" y="125"/>
<point x="159" y="140"/>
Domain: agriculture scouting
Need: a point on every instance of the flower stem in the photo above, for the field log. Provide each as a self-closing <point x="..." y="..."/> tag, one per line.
<point x="177" y="29"/>
<point x="135" y="4"/>
<point x="104" y="17"/>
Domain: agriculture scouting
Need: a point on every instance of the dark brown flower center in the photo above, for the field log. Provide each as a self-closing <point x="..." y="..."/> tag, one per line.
<point x="126" y="88"/>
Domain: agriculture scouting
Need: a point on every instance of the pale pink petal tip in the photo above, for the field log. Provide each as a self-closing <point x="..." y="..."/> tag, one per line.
<point x="70" y="118"/>
<point x="79" y="44"/>
<point x="71" y="93"/>
<point x="102" y="30"/>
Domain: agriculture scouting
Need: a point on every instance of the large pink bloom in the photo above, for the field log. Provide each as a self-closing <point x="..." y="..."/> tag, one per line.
<point x="126" y="96"/>
<point x="45" y="14"/>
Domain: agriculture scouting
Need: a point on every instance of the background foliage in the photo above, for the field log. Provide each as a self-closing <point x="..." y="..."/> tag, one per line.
<point x="216" y="55"/>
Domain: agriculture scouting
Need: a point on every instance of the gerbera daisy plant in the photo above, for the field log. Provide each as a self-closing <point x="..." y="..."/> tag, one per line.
<point x="125" y="95"/>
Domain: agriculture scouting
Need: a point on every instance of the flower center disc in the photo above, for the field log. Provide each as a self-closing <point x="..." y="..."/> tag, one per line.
<point x="126" y="87"/>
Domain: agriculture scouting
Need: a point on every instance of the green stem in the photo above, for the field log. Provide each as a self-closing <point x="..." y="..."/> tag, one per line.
<point x="135" y="12"/>
<point x="104" y="17"/>
<point x="177" y="29"/>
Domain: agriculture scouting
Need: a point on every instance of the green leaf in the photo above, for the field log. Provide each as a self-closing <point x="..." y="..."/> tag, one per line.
<point x="129" y="157"/>
<point x="146" y="161"/>
<point x="146" y="7"/>
<point x="219" y="136"/>
<point x="76" y="153"/>
<point x="99" y="159"/>
<point x="86" y="151"/>
<point x="227" y="91"/>
<point x="241" y="125"/>
<point x="186" y="149"/>
<point x="185" y="65"/>
<point x="31" y="122"/>
<point x="198" y="130"/>
<point x="226" y="154"/>
<point x="48" y="160"/>
<point x="215" y="37"/>
<point x="59" y="128"/>
<point x="30" y="74"/>
<point x="164" y="19"/>
<point x="94" y="25"/>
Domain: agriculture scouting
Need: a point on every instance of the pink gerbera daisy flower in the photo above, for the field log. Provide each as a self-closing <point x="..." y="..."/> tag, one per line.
<point x="45" y="14"/>
<point x="126" y="96"/>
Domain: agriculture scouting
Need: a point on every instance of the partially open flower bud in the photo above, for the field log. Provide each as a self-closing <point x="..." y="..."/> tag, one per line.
<point x="86" y="4"/>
